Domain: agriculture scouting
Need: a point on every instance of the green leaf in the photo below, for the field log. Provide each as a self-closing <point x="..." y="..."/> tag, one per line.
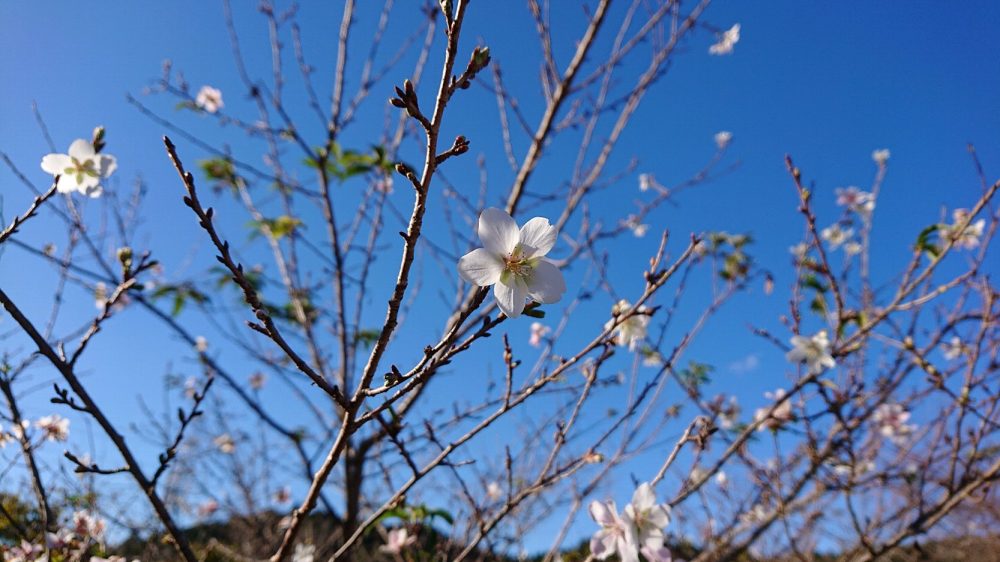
<point x="926" y="240"/>
<point x="696" y="374"/>
<point x="181" y="294"/>
<point x="278" y="227"/>
<point x="222" y="172"/>
<point x="813" y="282"/>
<point x="366" y="337"/>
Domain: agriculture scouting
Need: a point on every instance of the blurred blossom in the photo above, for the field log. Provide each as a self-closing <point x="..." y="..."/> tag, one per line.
<point x="727" y="40"/>
<point x="651" y="358"/>
<point x="208" y="508"/>
<point x="799" y="251"/>
<point x="861" y="202"/>
<point x="225" y="443"/>
<point x="891" y="422"/>
<point x="757" y="514"/>
<point x="55" y="427"/>
<point x="638" y="229"/>
<point x="630" y="331"/>
<point x="645" y="182"/>
<point x="383" y="185"/>
<point x="968" y="238"/>
<point x="257" y="380"/>
<point x="200" y="344"/>
<point x="953" y="348"/>
<point x="190" y="387"/>
<point x="304" y="553"/>
<point x="398" y="540"/>
<point x="779" y="416"/>
<point x="538" y="333"/>
<point x="494" y="491"/>
<point x="880" y="156"/>
<point x="729" y="414"/>
<point x="722" y="139"/>
<point x="100" y="295"/>
<point x="88" y="526"/>
<point x="852" y="249"/>
<point x="814" y="351"/>
<point x="835" y="236"/>
<point x="721" y="480"/>
<point x="209" y="99"/>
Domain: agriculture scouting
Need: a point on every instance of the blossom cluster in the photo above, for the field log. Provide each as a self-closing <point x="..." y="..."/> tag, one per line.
<point x="53" y="428"/>
<point x="81" y="539"/>
<point x="637" y="529"/>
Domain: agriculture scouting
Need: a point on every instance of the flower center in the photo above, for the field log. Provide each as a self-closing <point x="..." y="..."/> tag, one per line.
<point x="80" y="169"/>
<point x="516" y="263"/>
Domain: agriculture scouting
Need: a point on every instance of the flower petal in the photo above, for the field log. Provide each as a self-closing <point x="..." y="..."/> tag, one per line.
<point x="601" y="514"/>
<point x="67" y="184"/>
<point x="659" y="516"/>
<point x="87" y="183"/>
<point x="106" y="165"/>
<point x="546" y="284"/>
<point x="93" y="192"/>
<point x="56" y="164"/>
<point x="643" y="498"/>
<point x="537" y="237"/>
<point x="498" y="231"/>
<point x="510" y="293"/>
<point x="602" y="544"/>
<point x="81" y="149"/>
<point x="480" y="267"/>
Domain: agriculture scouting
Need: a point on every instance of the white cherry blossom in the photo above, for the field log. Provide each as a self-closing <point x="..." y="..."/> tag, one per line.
<point x="835" y="236"/>
<point x="779" y="416"/>
<point x="398" y="540"/>
<point x="632" y="330"/>
<point x="891" y="422"/>
<point x="648" y="517"/>
<point x="209" y="99"/>
<point x="953" y="348"/>
<point x="645" y="182"/>
<point x="616" y="535"/>
<point x="814" y="351"/>
<point x="538" y="333"/>
<point x="55" y="427"/>
<point x="880" y="156"/>
<point x="638" y="229"/>
<point x="968" y="238"/>
<point x="81" y="170"/>
<point x="513" y="261"/>
<point x="721" y="480"/>
<point x="727" y="40"/>
<point x="799" y="250"/>
<point x="723" y="138"/>
<point x="861" y="202"/>
<point x="494" y="491"/>
<point x="225" y="443"/>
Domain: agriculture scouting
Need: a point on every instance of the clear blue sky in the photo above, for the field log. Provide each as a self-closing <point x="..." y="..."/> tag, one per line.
<point x="825" y="82"/>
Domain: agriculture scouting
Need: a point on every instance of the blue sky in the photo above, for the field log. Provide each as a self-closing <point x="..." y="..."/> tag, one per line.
<point x="823" y="82"/>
